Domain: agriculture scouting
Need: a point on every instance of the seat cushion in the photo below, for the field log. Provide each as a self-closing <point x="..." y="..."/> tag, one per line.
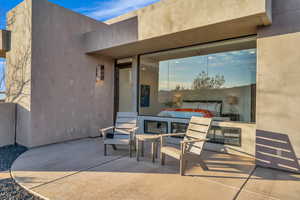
<point x="171" y="151"/>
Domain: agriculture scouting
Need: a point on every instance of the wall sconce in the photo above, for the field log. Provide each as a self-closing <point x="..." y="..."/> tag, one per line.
<point x="100" y="72"/>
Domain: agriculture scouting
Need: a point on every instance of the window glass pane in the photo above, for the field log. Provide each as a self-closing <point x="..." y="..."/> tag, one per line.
<point x="184" y="83"/>
<point x="155" y="127"/>
<point x="125" y="89"/>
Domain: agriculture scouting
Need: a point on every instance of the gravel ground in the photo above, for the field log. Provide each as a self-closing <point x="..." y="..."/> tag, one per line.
<point x="9" y="190"/>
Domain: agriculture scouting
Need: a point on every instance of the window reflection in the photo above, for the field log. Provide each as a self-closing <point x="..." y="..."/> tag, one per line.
<point x="183" y="84"/>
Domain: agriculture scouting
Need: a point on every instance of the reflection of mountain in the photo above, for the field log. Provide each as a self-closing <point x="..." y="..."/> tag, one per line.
<point x="244" y="95"/>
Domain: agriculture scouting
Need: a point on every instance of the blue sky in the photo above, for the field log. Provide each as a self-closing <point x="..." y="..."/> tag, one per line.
<point x="97" y="9"/>
<point x="237" y="67"/>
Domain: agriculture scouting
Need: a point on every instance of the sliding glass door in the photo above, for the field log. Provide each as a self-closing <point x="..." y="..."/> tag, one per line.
<point x="124" y="88"/>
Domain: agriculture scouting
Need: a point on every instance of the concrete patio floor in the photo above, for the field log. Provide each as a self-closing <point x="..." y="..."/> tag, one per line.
<point x="78" y="170"/>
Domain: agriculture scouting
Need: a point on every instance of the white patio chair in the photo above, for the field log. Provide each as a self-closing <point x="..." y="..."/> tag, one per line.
<point x="123" y="133"/>
<point x="192" y="144"/>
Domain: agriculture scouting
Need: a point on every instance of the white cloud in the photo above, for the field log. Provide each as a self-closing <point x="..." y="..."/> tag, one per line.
<point x="113" y="8"/>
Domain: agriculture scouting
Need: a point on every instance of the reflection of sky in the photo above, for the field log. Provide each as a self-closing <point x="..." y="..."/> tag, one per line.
<point x="2" y="65"/>
<point x="237" y="67"/>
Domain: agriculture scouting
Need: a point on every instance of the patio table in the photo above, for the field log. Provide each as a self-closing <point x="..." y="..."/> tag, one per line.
<point x="153" y="139"/>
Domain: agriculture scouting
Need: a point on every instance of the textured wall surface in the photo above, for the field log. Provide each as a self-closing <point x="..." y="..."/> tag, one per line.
<point x="111" y="35"/>
<point x="7" y="124"/>
<point x="278" y="72"/>
<point x="67" y="103"/>
<point x="170" y="16"/>
<point x="176" y="23"/>
<point x="51" y="78"/>
<point x="18" y="67"/>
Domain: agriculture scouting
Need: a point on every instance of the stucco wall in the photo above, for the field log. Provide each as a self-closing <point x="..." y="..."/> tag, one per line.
<point x="7" y="124"/>
<point x="278" y="97"/>
<point x="66" y="101"/>
<point x="170" y="16"/>
<point x="18" y="67"/>
<point x="171" y="24"/>
<point x="112" y="35"/>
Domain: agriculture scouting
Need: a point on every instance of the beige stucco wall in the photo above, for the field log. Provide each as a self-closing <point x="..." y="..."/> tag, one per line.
<point x="197" y="14"/>
<point x="111" y="35"/>
<point x="7" y="124"/>
<point x="51" y="78"/>
<point x="278" y="72"/>
<point x="67" y="103"/>
<point x="170" y="16"/>
<point x="176" y="23"/>
<point x="18" y="67"/>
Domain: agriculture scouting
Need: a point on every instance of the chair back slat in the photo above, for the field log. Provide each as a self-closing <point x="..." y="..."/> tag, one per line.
<point x="195" y="135"/>
<point x="125" y="121"/>
<point x="127" y="114"/>
<point x="125" y="126"/>
<point x="198" y="129"/>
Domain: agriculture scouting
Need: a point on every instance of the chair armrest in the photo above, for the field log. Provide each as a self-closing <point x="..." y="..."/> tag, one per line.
<point x="130" y="132"/>
<point x="103" y="131"/>
<point x="133" y="132"/>
<point x="134" y="129"/>
<point x="122" y="131"/>
<point x="193" y="141"/>
<point x="106" y="129"/>
<point x="173" y="134"/>
<point x="163" y="136"/>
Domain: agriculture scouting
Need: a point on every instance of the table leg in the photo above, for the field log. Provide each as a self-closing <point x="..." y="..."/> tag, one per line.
<point x="137" y="150"/>
<point x="153" y="151"/>
<point x="156" y="149"/>
<point x="142" y="148"/>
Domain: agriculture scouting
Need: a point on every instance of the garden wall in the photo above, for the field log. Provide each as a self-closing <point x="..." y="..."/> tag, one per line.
<point x="7" y="124"/>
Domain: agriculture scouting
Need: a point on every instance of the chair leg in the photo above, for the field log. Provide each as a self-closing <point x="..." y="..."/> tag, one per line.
<point x="114" y="147"/>
<point x="203" y="165"/>
<point x="137" y="151"/>
<point x="130" y="149"/>
<point x="105" y="149"/>
<point x="153" y="151"/>
<point x="142" y="148"/>
<point x="134" y="145"/>
<point x="183" y="163"/>
<point x="162" y="158"/>
<point x="156" y="150"/>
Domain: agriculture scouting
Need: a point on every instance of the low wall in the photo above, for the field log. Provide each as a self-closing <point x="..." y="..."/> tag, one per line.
<point x="248" y="132"/>
<point x="7" y="124"/>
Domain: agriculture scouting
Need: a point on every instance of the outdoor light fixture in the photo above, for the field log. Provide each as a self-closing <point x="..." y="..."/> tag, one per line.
<point x="100" y="73"/>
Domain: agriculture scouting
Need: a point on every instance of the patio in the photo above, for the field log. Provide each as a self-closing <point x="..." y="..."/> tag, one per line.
<point x="78" y="170"/>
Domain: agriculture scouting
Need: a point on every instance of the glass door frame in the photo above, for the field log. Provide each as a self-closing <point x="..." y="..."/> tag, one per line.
<point x="118" y="66"/>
